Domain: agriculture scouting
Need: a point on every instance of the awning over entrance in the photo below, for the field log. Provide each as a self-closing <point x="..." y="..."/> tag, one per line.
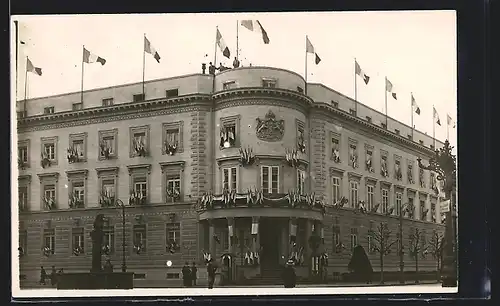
<point x="242" y="212"/>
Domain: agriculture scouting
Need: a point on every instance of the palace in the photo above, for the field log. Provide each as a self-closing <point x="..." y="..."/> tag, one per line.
<point x="247" y="167"/>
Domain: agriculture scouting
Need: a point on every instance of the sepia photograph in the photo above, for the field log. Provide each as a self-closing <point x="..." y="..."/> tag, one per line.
<point x="234" y="154"/>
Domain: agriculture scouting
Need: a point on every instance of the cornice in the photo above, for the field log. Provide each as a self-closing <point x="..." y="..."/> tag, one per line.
<point x="26" y="177"/>
<point x="114" y="170"/>
<point x="83" y="172"/>
<point x="132" y="168"/>
<point x="322" y="107"/>
<point x="123" y="111"/>
<point x="51" y="175"/>
<point x="252" y="95"/>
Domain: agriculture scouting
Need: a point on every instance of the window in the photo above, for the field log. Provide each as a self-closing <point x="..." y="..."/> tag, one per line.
<point x="228" y="135"/>
<point x="172" y="93"/>
<point x="49" y="193"/>
<point x="370" y="196"/>
<point x="48" y="110"/>
<point x="269" y="83"/>
<point x="270" y="179"/>
<point x="353" y="155"/>
<point x="385" y="201"/>
<point x="77" y="106"/>
<point x="228" y="85"/>
<point x="398" y="175"/>
<point x="78" y="241"/>
<point x="109" y="239"/>
<point x="352" y="112"/>
<point x="172" y="138"/>
<point x="108" y="144"/>
<point x="108" y="178"/>
<point x="78" y="147"/>
<point x="335" y="149"/>
<point x="77" y="199"/>
<point x="301" y="143"/>
<point x="140" y="187"/>
<point x="399" y="199"/>
<point x="22" y="192"/>
<point x="230" y="179"/>
<point x="369" y="119"/>
<point x="107" y="102"/>
<point x="22" y="153"/>
<point x="336" y="189"/>
<point x="138" y="97"/>
<point x="370" y="244"/>
<point x="411" y="208"/>
<point x="422" y="210"/>
<point x="173" y="233"/>
<point x="369" y="160"/>
<point x="410" y="173"/>
<point x="301" y="181"/>
<point x="108" y="187"/>
<point x="172" y="181"/>
<point x="173" y="275"/>
<point x="49" y="240"/>
<point x="353" y="186"/>
<point x="50" y="150"/>
<point x="335" y="104"/>
<point x="384" y="169"/>
<point x="140" y="238"/>
<point x="354" y="238"/>
<point x="23" y="241"/>
<point x="139" y="141"/>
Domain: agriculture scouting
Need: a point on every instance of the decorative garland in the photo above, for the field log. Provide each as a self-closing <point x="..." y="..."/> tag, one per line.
<point x="78" y="250"/>
<point x="138" y="248"/>
<point x="136" y="198"/>
<point x="292" y="157"/>
<point x="72" y="155"/>
<point x="171" y="148"/>
<point x="50" y="203"/>
<point x="75" y="201"/>
<point x="173" y="246"/>
<point x="106" y="249"/>
<point x="45" y="162"/>
<point x="139" y="148"/>
<point x="21" y="164"/>
<point x="251" y="259"/>
<point x="47" y="251"/>
<point x="105" y="150"/>
<point x="247" y="158"/>
<point x="106" y="200"/>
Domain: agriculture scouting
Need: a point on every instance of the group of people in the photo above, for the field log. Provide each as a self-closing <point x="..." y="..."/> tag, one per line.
<point x="212" y="68"/>
<point x="53" y="275"/>
<point x="189" y="274"/>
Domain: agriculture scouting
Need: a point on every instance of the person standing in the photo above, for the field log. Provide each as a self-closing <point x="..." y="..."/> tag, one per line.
<point x="43" y="276"/>
<point x="108" y="267"/>
<point x="211" y="274"/>
<point x="186" y="274"/>
<point x="289" y="276"/>
<point x="53" y="276"/>
<point x="236" y="63"/>
<point x="194" y="272"/>
<point x="211" y="68"/>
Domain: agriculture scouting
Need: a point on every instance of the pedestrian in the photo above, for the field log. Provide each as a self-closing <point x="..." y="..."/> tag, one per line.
<point x="53" y="276"/>
<point x="289" y="276"/>
<point x="236" y="63"/>
<point x="194" y="272"/>
<point x="211" y="274"/>
<point x="203" y="67"/>
<point x="108" y="267"/>
<point x="186" y="275"/>
<point x="43" y="276"/>
<point x="211" y="68"/>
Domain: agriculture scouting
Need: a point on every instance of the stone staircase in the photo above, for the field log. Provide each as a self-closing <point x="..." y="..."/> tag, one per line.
<point x="269" y="276"/>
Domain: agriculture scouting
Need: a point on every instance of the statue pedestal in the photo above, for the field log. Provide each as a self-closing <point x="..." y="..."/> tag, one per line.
<point x="98" y="280"/>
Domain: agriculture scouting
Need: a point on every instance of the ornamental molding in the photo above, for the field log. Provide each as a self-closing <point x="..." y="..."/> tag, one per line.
<point x="125" y="111"/>
<point x="319" y="112"/>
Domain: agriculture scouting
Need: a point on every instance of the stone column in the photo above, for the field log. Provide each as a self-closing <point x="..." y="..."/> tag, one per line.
<point x="417" y="205"/>
<point x="230" y="234"/>
<point x="211" y="240"/>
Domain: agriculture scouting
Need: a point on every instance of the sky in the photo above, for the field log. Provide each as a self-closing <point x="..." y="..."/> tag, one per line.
<point x="415" y="50"/>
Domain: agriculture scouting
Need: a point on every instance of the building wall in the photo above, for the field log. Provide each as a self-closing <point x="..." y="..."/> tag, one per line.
<point x="203" y="160"/>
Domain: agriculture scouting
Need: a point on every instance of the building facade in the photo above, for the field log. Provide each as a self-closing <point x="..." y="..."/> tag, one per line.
<point x="248" y="164"/>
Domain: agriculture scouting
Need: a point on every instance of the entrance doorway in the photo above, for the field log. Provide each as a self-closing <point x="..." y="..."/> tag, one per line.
<point x="270" y="233"/>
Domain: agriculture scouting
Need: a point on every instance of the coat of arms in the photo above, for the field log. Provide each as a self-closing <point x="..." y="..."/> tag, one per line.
<point x="270" y="129"/>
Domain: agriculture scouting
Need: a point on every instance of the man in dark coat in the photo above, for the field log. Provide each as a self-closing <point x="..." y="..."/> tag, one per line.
<point x="211" y="68"/>
<point x="53" y="276"/>
<point x="186" y="275"/>
<point x="211" y="274"/>
<point x="360" y="265"/>
<point x="194" y="272"/>
<point x="289" y="276"/>
<point x="108" y="266"/>
<point x="43" y="275"/>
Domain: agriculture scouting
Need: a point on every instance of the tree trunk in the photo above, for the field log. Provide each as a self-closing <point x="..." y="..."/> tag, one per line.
<point x="381" y="267"/>
<point x="416" y="269"/>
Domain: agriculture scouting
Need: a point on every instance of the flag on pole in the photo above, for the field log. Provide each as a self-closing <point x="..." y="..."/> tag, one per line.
<point x="436" y="116"/>
<point x="389" y="88"/>
<point x="31" y="68"/>
<point x="222" y="45"/>
<point x="256" y="26"/>
<point x="361" y="73"/>
<point x="310" y="49"/>
<point x="90" y="58"/>
<point x="414" y="105"/>
<point x="450" y="121"/>
<point x="148" y="47"/>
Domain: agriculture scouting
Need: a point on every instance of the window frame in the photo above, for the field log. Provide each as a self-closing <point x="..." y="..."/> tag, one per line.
<point x="353" y="238"/>
<point x="106" y="102"/>
<point x="270" y="181"/>
<point x="385" y="204"/>
<point x="24" y="144"/>
<point x="77" y="106"/>
<point x="47" y="179"/>
<point x="109" y="236"/>
<point x="172" y="90"/>
<point x="77" y="232"/>
<point x="50" y="235"/>
<point x="133" y="130"/>
<point x="143" y="230"/>
<point x="49" y="110"/>
<point x="44" y="141"/>
<point x="106" y="134"/>
<point x="79" y="137"/>
<point x="353" y="143"/>
<point x="337" y="137"/>
<point x="353" y="182"/>
<point x="177" y="168"/>
<point x="269" y="81"/>
<point x="370" y="196"/>
<point x="398" y="200"/>
<point x="369" y="149"/>
<point x="140" y="97"/>
<point x="301" y="181"/>
<point x="339" y="187"/>
<point x="229" y="84"/>
<point x="228" y="121"/>
<point x="173" y="227"/>
<point x="140" y="171"/>
<point x="105" y="174"/>
<point x="229" y="169"/>
<point x="169" y="126"/>
<point x="77" y="176"/>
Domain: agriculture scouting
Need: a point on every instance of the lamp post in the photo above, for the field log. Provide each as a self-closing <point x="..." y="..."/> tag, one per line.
<point x="444" y="164"/>
<point x="124" y="262"/>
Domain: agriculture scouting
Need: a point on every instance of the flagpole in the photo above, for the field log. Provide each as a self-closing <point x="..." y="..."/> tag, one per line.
<point x="237" y="40"/>
<point x="355" y="89"/>
<point x="17" y="53"/>
<point x="305" y="77"/>
<point x="26" y="84"/>
<point x="386" y="126"/>
<point x="433" y="127"/>
<point x="411" y="110"/>
<point x="447" y="130"/>
<point x="83" y="65"/>
<point x="143" y="67"/>
<point x="215" y="57"/>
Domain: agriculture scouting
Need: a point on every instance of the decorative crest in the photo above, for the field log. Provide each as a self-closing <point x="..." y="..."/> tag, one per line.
<point x="270" y="129"/>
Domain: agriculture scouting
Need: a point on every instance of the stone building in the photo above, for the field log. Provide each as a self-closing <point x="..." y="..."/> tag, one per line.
<point x="243" y="164"/>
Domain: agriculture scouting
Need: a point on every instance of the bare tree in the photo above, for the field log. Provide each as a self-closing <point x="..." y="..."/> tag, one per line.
<point x="436" y="247"/>
<point x="417" y="247"/>
<point x="382" y="244"/>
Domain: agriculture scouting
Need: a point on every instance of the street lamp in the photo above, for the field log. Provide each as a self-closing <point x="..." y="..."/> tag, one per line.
<point x="124" y="262"/>
<point x="444" y="164"/>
